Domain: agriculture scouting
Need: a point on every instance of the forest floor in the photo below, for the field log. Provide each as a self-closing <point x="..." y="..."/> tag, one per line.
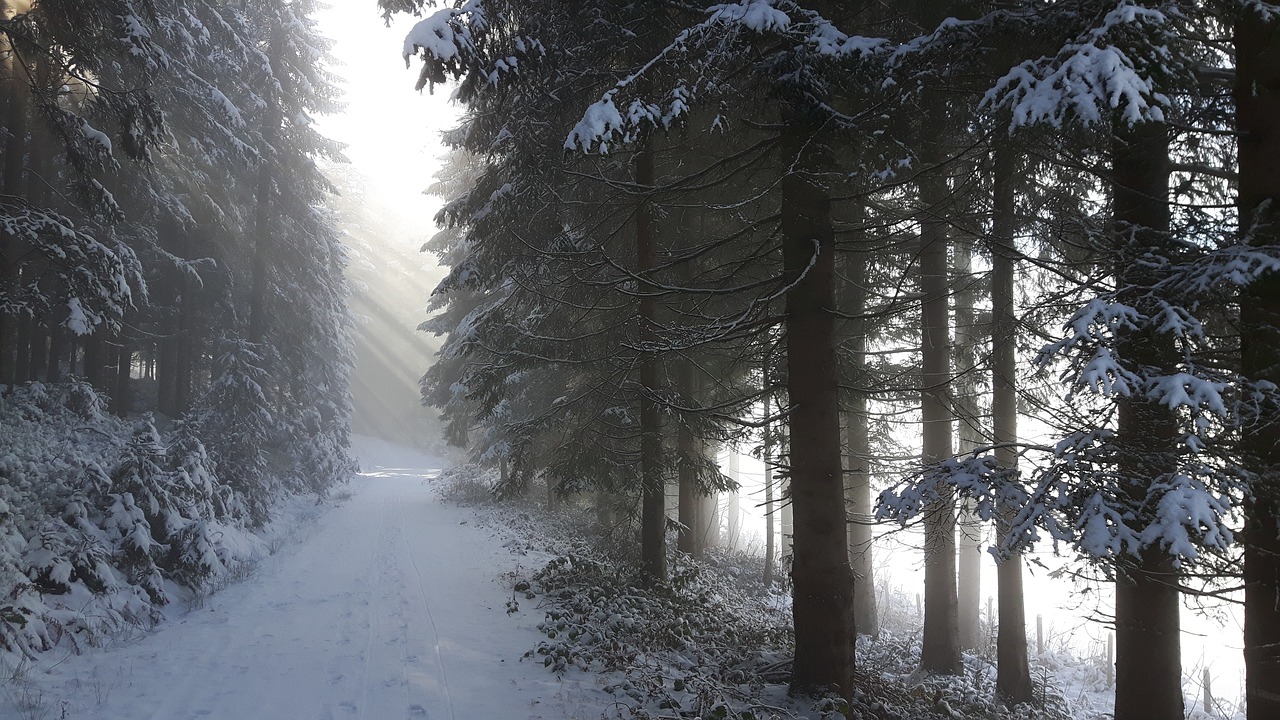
<point x="396" y="600"/>
<point x="390" y="605"/>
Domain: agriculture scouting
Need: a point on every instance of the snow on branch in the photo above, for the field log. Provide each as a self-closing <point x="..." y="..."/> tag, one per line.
<point x="611" y="120"/>
<point x="978" y="477"/>
<point x="95" y="283"/>
<point x="1088" y="80"/>
<point x="452" y="42"/>
<point x="447" y="34"/>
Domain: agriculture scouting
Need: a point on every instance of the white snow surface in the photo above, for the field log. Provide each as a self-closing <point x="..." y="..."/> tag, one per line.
<point x="390" y="605"/>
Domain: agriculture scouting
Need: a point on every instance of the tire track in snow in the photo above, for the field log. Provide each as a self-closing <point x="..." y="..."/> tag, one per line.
<point x="426" y="606"/>
<point x="370" y="598"/>
<point x="375" y="593"/>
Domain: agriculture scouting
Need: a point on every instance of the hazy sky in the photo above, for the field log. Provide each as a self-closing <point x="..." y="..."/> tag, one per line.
<point x="392" y="132"/>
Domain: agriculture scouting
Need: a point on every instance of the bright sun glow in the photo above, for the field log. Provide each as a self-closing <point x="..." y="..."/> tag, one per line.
<point x="392" y="133"/>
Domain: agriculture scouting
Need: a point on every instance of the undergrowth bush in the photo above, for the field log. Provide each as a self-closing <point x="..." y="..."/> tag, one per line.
<point x="103" y="521"/>
<point x="714" y="641"/>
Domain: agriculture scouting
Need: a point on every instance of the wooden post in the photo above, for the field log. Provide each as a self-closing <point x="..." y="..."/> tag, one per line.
<point x="1039" y="634"/>
<point x="1208" y="694"/>
<point x="1111" y="659"/>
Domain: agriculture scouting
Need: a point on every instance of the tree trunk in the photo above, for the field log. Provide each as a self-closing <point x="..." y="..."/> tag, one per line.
<point x="1257" y="96"/>
<point x="689" y="541"/>
<point x="690" y="538"/>
<point x="39" y="351"/>
<point x="733" y="511"/>
<point x="23" y="349"/>
<point x="941" y="642"/>
<point x="770" y="545"/>
<point x="766" y="455"/>
<point x="653" y="513"/>
<point x="823" y="600"/>
<point x="121" y="396"/>
<point x="1148" y="655"/>
<point x="1013" y="672"/>
<point x="16" y="102"/>
<point x="968" y="414"/>
<point x="709" y="521"/>
<point x="786" y="522"/>
<point x="57" y="353"/>
<point x="95" y="362"/>
<point x="866" y="619"/>
<point x="190" y="348"/>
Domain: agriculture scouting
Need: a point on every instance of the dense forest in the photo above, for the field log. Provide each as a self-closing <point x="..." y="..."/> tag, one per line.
<point x="1006" y="275"/>
<point x="173" y="312"/>
<point x="1012" y="264"/>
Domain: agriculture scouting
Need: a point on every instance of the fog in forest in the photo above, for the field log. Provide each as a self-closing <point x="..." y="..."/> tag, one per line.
<point x="760" y="359"/>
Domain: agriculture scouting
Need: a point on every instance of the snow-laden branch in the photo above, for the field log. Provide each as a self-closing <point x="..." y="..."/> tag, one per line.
<point x="1089" y="80"/>
<point x="446" y="35"/>
<point x="610" y="120"/>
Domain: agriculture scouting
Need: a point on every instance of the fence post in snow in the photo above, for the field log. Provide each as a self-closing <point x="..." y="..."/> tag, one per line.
<point x="1208" y="694"/>
<point x="1039" y="634"/>
<point x="1111" y="659"/>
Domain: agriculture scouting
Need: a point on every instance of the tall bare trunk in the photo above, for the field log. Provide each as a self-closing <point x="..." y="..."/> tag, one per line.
<point x="733" y="508"/>
<point x="823" y="600"/>
<point x="689" y="540"/>
<point x="121" y="395"/>
<point x="866" y="619"/>
<point x="653" y="513"/>
<point x="1148" y="650"/>
<point x="970" y="435"/>
<point x="1013" y="672"/>
<point x="1257" y="96"/>
<point x="766" y="455"/>
<point x="941" y="642"/>
<point x="16" y="98"/>
<point x="57" y="354"/>
<point x="770" y="544"/>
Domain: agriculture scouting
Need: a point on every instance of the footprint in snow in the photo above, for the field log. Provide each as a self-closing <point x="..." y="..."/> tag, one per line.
<point x="417" y="711"/>
<point x="347" y="705"/>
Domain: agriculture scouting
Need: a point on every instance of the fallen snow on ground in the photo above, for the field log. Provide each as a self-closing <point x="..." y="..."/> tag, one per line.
<point x="390" y="605"/>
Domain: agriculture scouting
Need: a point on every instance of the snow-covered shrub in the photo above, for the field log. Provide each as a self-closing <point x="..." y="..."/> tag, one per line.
<point x="467" y="484"/>
<point x="237" y="425"/>
<point x="103" y="521"/>
<point x="314" y="453"/>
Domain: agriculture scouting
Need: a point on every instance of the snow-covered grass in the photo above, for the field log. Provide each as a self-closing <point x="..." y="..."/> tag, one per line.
<point x="390" y="603"/>
<point x="716" y="642"/>
<point x="109" y="526"/>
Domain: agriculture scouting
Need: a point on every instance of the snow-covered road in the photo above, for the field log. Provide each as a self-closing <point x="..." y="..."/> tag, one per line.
<point x="391" y="606"/>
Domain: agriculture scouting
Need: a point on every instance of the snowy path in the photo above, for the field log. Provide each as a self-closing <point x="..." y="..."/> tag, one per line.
<point x="391" y="607"/>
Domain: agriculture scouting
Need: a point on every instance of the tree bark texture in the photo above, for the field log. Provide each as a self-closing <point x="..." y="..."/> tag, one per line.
<point x="970" y="435"/>
<point x="653" y="513"/>
<point x="866" y="619"/>
<point x="941" y="637"/>
<point x="16" y="97"/>
<point x="1148" y="648"/>
<point x="823" y="601"/>
<point x="1013" y="672"/>
<point x="57" y="353"/>
<point x="121" y="395"/>
<point x="770" y="543"/>
<point x="689" y="540"/>
<point x="1257" y="96"/>
<point x="733" y="508"/>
